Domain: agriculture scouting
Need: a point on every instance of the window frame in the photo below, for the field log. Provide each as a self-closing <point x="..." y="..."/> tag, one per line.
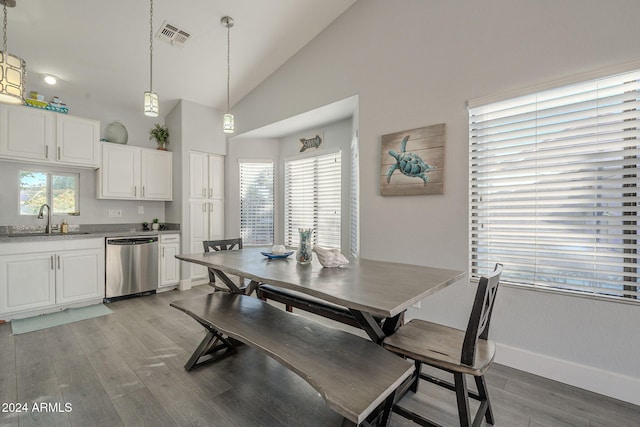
<point x="49" y="177"/>
<point x="290" y="235"/>
<point x="271" y="162"/>
<point x="624" y="293"/>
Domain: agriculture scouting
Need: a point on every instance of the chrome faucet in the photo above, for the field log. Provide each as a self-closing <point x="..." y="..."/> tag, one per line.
<point x="47" y="229"/>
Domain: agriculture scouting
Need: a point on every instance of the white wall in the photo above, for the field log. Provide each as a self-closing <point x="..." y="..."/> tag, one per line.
<point x="415" y="63"/>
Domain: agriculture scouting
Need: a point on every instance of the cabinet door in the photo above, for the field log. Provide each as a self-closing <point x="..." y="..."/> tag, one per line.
<point x="77" y="140"/>
<point x="156" y="173"/>
<point x="119" y="176"/>
<point x="216" y="177"/>
<point x="27" y="281"/>
<point x="198" y="175"/>
<point x="26" y="133"/>
<point x="198" y="271"/>
<point x="216" y="219"/>
<point x="199" y="231"/>
<point x="79" y="275"/>
<point x="169" y="264"/>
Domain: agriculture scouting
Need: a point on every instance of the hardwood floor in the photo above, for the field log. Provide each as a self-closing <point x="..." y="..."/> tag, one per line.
<point x="127" y="369"/>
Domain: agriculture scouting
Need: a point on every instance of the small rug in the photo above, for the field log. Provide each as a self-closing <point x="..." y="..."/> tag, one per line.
<point x="70" y="315"/>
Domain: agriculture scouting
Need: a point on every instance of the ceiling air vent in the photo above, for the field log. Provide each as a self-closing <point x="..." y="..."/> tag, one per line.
<point x="173" y="35"/>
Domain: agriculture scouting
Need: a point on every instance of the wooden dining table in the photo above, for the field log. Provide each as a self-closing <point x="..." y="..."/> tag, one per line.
<point x="370" y="289"/>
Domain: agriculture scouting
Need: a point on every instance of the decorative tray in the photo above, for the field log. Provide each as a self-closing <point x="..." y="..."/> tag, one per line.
<point x="35" y="103"/>
<point x="276" y="256"/>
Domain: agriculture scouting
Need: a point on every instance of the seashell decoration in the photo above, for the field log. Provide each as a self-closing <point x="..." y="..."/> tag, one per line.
<point x="330" y="257"/>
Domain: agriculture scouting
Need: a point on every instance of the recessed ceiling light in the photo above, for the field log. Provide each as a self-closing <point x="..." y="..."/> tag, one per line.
<point x="50" y="80"/>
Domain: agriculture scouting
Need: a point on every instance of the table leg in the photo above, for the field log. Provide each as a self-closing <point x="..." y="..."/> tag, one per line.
<point x="369" y="325"/>
<point x="233" y="287"/>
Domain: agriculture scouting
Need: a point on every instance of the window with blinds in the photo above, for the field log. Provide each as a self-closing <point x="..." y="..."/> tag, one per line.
<point x="553" y="187"/>
<point x="313" y="198"/>
<point x="256" y="203"/>
<point x="355" y="198"/>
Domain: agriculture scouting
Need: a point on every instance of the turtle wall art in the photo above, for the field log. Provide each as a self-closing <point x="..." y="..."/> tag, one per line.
<point x="412" y="161"/>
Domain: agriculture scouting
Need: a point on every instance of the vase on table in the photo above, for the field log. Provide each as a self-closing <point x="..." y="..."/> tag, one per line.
<point x="304" y="254"/>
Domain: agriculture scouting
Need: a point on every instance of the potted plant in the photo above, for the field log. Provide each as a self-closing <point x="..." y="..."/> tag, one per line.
<point x="161" y="134"/>
<point x="155" y="225"/>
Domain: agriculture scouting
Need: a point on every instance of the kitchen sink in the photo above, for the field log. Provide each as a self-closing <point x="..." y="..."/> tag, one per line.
<point x="71" y="233"/>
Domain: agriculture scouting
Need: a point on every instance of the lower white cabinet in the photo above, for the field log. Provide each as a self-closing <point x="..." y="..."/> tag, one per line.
<point x="206" y="222"/>
<point x="40" y="277"/>
<point x="168" y="264"/>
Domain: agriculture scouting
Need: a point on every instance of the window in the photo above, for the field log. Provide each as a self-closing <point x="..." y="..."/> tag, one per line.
<point x="256" y="202"/>
<point x="553" y="187"/>
<point x="312" y="199"/>
<point x="58" y="190"/>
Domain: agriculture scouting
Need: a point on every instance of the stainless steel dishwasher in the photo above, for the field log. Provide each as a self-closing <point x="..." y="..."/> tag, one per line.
<point x="131" y="265"/>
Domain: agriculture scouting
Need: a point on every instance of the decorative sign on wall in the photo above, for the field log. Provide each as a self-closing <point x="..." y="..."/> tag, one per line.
<point x="313" y="142"/>
<point x="412" y="161"/>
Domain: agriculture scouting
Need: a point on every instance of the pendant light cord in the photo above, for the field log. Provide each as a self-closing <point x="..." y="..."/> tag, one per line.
<point x="228" y="66"/>
<point x="4" y="27"/>
<point x="151" y="48"/>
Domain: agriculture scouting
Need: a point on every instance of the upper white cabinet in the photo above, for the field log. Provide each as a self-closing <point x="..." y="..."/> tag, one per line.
<point x="206" y="176"/>
<point x="40" y="136"/>
<point x="135" y="173"/>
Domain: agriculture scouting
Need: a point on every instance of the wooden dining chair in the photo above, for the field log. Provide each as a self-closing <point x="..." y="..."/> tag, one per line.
<point x="222" y="245"/>
<point x="458" y="352"/>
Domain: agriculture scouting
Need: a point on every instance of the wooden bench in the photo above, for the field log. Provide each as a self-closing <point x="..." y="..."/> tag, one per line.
<point x="352" y="374"/>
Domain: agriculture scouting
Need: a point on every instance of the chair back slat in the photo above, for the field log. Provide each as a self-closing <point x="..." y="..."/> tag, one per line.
<point x="220" y="245"/>
<point x="478" y="326"/>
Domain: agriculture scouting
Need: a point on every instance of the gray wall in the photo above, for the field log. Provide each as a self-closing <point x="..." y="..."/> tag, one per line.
<point x="415" y="63"/>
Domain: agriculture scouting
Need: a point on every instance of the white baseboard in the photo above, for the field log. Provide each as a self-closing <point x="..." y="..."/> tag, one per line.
<point x="185" y="284"/>
<point x="599" y="381"/>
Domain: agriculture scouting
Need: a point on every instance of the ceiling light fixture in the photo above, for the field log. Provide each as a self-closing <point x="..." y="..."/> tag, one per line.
<point x="151" y="107"/>
<point x="50" y="80"/>
<point x="228" y="125"/>
<point x="13" y="70"/>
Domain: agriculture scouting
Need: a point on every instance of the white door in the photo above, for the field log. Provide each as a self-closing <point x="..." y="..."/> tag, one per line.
<point x="156" y="175"/>
<point x="27" y="281"/>
<point x="216" y="177"/>
<point x="120" y="172"/>
<point x="216" y="219"/>
<point x="27" y="133"/>
<point x="78" y="140"/>
<point x="79" y="275"/>
<point x="198" y="175"/>
<point x="169" y="264"/>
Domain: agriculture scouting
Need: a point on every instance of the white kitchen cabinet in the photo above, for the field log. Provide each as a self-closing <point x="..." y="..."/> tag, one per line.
<point x="77" y="140"/>
<point x="156" y="175"/>
<point x="30" y="134"/>
<point x="134" y="173"/>
<point x="206" y="203"/>
<point x="27" y="282"/>
<point x="78" y="275"/>
<point x="45" y="276"/>
<point x="168" y="264"/>
<point x="206" y="221"/>
<point x="206" y="176"/>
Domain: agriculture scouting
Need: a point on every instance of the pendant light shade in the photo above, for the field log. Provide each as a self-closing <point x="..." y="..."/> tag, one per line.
<point x="151" y="107"/>
<point x="228" y="125"/>
<point x="13" y="70"/>
<point x="151" y="102"/>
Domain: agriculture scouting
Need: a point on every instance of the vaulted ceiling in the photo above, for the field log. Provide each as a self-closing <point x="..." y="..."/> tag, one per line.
<point x="100" y="49"/>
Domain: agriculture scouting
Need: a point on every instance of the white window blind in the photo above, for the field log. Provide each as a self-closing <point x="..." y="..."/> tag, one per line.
<point x="553" y="187"/>
<point x="312" y="199"/>
<point x="256" y="203"/>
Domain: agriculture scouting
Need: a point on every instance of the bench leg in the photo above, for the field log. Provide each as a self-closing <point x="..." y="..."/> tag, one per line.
<point x="209" y="350"/>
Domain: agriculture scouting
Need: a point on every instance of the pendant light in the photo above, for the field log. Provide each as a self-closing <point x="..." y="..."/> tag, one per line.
<point x="13" y="70"/>
<point x="151" y="107"/>
<point x="228" y="121"/>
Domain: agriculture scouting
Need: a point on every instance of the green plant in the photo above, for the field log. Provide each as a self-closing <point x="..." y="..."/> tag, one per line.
<point x="155" y="220"/>
<point x="159" y="133"/>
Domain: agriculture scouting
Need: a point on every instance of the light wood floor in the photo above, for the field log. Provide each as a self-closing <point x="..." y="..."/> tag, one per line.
<point x="127" y="369"/>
